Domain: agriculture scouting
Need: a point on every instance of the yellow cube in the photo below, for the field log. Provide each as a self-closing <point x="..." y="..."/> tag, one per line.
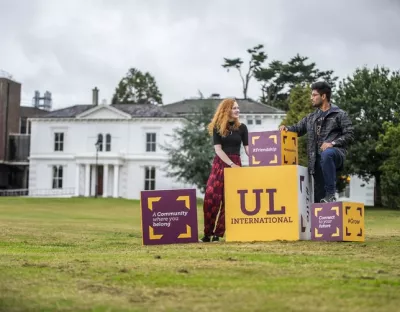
<point x="267" y="203"/>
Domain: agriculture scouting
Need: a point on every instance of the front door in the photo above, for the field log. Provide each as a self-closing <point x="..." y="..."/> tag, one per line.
<point x="100" y="180"/>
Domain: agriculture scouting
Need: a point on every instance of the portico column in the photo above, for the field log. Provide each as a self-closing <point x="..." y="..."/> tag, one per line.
<point x="77" y="180"/>
<point x="116" y="180"/>
<point x="105" y="181"/>
<point x="87" y="180"/>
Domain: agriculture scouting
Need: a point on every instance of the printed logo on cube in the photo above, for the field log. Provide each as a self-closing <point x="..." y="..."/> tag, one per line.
<point x="273" y="148"/>
<point x="338" y="221"/>
<point x="267" y="203"/>
<point x="169" y="216"/>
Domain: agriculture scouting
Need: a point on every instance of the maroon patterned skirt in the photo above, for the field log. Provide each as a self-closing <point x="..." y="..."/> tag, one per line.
<point x="214" y="197"/>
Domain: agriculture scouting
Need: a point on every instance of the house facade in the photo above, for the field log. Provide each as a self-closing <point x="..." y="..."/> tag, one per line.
<point x="100" y="150"/>
<point x="115" y="150"/>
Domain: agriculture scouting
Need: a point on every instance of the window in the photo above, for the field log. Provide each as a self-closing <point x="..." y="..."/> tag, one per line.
<point x="57" y="177"/>
<point x="150" y="142"/>
<point x="249" y="121"/>
<point x="22" y="125"/>
<point x="108" y="142"/>
<point x="150" y="178"/>
<point x="258" y="121"/>
<point x="59" y="141"/>
<point x="100" y="141"/>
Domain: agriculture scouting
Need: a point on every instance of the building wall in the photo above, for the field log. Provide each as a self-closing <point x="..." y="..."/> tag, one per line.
<point x="10" y="98"/>
<point x="128" y="137"/>
<point x="128" y="146"/>
<point x="360" y="191"/>
<point x="41" y="174"/>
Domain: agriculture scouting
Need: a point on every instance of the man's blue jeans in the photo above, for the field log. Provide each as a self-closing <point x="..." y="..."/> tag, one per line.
<point x="326" y="166"/>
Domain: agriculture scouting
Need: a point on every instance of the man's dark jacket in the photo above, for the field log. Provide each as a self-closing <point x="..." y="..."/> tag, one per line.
<point x="336" y="126"/>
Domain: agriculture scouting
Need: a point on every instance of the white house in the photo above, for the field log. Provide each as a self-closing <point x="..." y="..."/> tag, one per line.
<point x="64" y="155"/>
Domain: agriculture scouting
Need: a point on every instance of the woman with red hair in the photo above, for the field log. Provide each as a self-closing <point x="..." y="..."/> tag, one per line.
<point x="228" y="135"/>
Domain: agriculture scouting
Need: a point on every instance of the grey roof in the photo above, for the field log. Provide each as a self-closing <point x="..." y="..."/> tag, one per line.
<point x="68" y="112"/>
<point x="30" y="111"/>
<point x="135" y="110"/>
<point x="247" y="106"/>
<point x="143" y="110"/>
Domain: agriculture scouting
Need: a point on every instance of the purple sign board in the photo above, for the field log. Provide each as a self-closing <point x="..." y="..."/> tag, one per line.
<point x="265" y="148"/>
<point x="327" y="221"/>
<point x="169" y="216"/>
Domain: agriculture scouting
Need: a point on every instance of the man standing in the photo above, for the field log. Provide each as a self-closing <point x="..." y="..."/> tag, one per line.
<point x="329" y="133"/>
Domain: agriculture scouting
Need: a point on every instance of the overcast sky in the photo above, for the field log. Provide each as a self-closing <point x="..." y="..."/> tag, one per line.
<point x="69" y="47"/>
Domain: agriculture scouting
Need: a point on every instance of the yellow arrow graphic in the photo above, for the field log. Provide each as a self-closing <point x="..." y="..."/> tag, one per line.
<point x="336" y="209"/>
<point x="152" y="235"/>
<point x="186" y="199"/>
<point x="152" y="200"/>
<point x="316" y="211"/>
<point x="275" y="161"/>
<point x="337" y="233"/>
<point x="254" y="138"/>
<point x="316" y="233"/>
<point x="255" y="162"/>
<point x="275" y="138"/>
<point x="188" y="233"/>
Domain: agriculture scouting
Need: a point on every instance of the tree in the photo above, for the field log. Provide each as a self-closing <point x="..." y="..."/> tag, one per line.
<point x="137" y="88"/>
<point x="370" y="97"/>
<point x="257" y="58"/>
<point x="389" y="144"/>
<point x="190" y="151"/>
<point x="278" y="79"/>
<point x="299" y="107"/>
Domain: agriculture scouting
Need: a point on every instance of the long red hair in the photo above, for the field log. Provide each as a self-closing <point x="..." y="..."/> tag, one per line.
<point x="221" y="118"/>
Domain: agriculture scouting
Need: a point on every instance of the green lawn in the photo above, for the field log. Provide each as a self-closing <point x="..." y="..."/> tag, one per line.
<point x="86" y="255"/>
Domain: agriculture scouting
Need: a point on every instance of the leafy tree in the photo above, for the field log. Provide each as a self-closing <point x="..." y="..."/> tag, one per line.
<point x="257" y="58"/>
<point x="389" y="144"/>
<point x="278" y="79"/>
<point x="370" y="97"/>
<point x="271" y="86"/>
<point x="299" y="107"/>
<point x="137" y="88"/>
<point x="191" y="154"/>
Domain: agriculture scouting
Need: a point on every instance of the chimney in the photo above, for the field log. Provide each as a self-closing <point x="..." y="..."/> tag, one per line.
<point x="95" y="96"/>
<point x="47" y="103"/>
<point x="36" y="99"/>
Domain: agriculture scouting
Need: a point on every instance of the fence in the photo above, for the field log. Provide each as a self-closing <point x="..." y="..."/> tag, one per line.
<point x="64" y="192"/>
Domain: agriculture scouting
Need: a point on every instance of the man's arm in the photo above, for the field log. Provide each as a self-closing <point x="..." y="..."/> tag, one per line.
<point x="300" y="128"/>
<point x="347" y="136"/>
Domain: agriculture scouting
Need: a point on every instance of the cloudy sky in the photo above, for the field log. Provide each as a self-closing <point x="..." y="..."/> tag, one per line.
<point x="69" y="47"/>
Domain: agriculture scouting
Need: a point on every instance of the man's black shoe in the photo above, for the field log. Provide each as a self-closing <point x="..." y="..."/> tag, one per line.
<point x="330" y="198"/>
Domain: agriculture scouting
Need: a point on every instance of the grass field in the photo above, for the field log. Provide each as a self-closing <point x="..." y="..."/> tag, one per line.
<point x="86" y="255"/>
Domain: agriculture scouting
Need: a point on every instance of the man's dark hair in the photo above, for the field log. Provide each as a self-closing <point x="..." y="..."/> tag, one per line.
<point x="322" y="87"/>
